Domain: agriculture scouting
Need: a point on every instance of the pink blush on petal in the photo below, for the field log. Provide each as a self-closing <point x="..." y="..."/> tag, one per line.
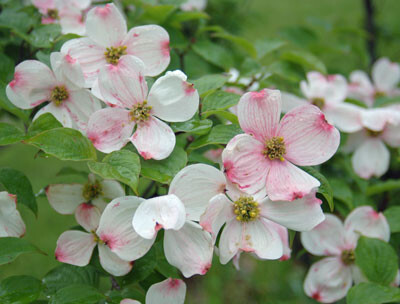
<point x="146" y="155"/>
<point x="317" y="296"/>
<point x="375" y="215"/>
<point x="108" y="240"/>
<point x="103" y="11"/>
<point x="165" y="48"/>
<point x="17" y="81"/>
<point x="259" y="95"/>
<point x="206" y="268"/>
<point x="323" y="123"/>
<point x="174" y="283"/>
<point x="189" y="88"/>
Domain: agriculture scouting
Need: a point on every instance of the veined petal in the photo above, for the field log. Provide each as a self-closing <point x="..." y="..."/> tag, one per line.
<point x="230" y="241"/>
<point x="320" y="240"/>
<point x="112" y="189"/>
<point x="150" y="43"/>
<point x="116" y="231"/>
<point x="386" y="74"/>
<point x="245" y="164"/>
<point x="59" y="112"/>
<point x="366" y="221"/>
<point x="75" y="247"/>
<point x="66" y="67"/>
<point x="65" y="198"/>
<point x="154" y="139"/>
<point x="259" y="113"/>
<point x="105" y="25"/>
<point x="328" y="280"/>
<point x="195" y="185"/>
<point x="345" y="116"/>
<point x="72" y="22"/>
<point x="165" y="211"/>
<point x="290" y="101"/>
<point x="195" y="256"/>
<point x="286" y="182"/>
<point x="172" y="98"/>
<point x="123" y="85"/>
<point x="309" y="139"/>
<point x="11" y="223"/>
<point x="88" y="216"/>
<point x="32" y="84"/>
<point x="112" y="263"/>
<point x="301" y="214"/>
<point x="110" y="129"/>
<point x="371" y="159"/>
<point x="169" y="291"/>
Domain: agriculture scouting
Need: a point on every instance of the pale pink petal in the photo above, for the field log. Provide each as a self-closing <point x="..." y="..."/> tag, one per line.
<point x="376" y="119"/>
<point x="371" y="159"/>
<point x="219" y="211"/>
<point x="328" y="280"/>
<point x="89" y="55"/>
<point x="105" y="25"/>
<point x="245" y="164"/>
<point x="172" y="98"/>
<point x="357" y="275"/>
<point x="32" y="84"/>
<point x="59" y="112"/>
<point x="75" y="247"/>
<point x="259" y="113"/>
<point x="195" y="185"/>
<point x="366" y="221"/>
<point x="88" y="216"/>
<point x="354" y="140"/>
<point x="123" y="85"/>
<point x="283" y="234"/>
<point x="150" y="43"/>
<point x="44" y="5"/>
<point x="290" y="101"/>
<point x="325" y="239"/>
<point x="345" y="116"/>
<point x="391" y="135"/>
<point x="309" y="138"/>
<point x="154" y="139"/>
<point x="64" y="66"/>
<point x="386" y="74"/>
<point x="286" y="182"/>
<point x="301" y="214"/>
<point x="116" y="231"/>
<point x="361" y="88"/>
<point x="336" y="89"/>
<point x="65" y="198"/>
<point x="112" y="263"/>
<point x="167" y="212"/>
<point x="230" y="241"/>
<point x="72" y="22"/>
<point x="80" y="4"/>
<point x="111" y="189"/>
<point x="195" y="256"/>
<point x="169" y="291"/>
<point x="110" y="129"/>
<point x="11" y="223"/>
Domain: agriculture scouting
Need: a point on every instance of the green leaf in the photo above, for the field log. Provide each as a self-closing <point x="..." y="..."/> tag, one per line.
<point x="194" y="126"/>
<point x="17" y="21"/>
<point x="164" y="170"/>
<point x="219" y="100"/>
<point x="325" y="189"/>
<point x="43" y="123"/>
<point x="239" y="41"/>
<point x="220" y="134"/>
<point x="44" y="36"/>
<point x="385" y="101"/>
<point x="392" y="215"/>
<point x="123" y="166"/>
<point x="11" y="248"/>
<point x="356" y="102"/>
<point x="163" y="267"/>
<point x="64" y="144"/>
<point x="370" y="293"/>
<point x="180" y="16"/>
<point x="158" y="13"/>
<point x="214" y="53"/>
<point x="77" y="294"/>
<point x="43" y="57"/>
<point x="305" y="59"/>
<point x="10" y="134"/>
<point x="209" y="83"/>
<point x="224" y="114"/>
<point x="342" y="191"/>
<point x="9" y="107"/>
<point x="377" y="260"/>
<point x="266" y="46"/>
<point x="6" y="68"/>
<point x="380" y="187"/>
<point x="17" y="183"/>
<point x="19" y="290"/>
<point x="66" y="275"/>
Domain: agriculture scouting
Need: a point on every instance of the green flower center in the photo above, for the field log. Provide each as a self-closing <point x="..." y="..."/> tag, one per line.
<point x="96" y="238"/>
<point x="114" y="53"/>
<point x="246" y="209"/>
<point x="379" y="94"/>
<point x="275" y="148"/>
<point x="373" y="133"/>
<point x="92" y="191"/>
<point x="52" y="13"/>
<point x="348" y="257"/>
<point x="140" y="112"/>
<point x="59" y="94"/>
<point x="319" y="102"/>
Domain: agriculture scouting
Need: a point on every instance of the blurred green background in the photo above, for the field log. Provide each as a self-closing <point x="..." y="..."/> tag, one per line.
<point x="325" y="28"/>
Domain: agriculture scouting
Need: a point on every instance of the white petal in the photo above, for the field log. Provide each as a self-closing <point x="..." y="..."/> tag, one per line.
<point x="59" y="112"/>
<point x="72" y="22"/>
<point x="75" y="247"/>
<point x="376" y="119"/>
<point x="386" y="74"/>
<point x="11" y="223"/>
<point x="230" y="241"/>
<point x="195" y="185"/>
<point x="290" y="101"/>
<point x="284" y="236"/>
<point x="346" y="117"/>
<point x="189" y="249"/>
<point x="169" y="291"/>
<point x="65" y="198"/>
<point x="111" y="189"/>
<point x="361" y="88"/>
<point x="129" y="301"/>
<point x="112" y="263"/>
<point x="391" y="135"/>
<point x="88" y="216"/>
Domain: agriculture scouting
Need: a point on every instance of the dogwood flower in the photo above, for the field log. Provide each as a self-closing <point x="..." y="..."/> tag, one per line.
<point x="328" y="93"/>
<point x="267" y="154"/>
<point x="253" y="223"/>
<point x="329" y="279"/>
<point x="118" y="243"/>
<point x="86" y="201"/>
<point x="11" y="223"/>
<point x="35" y="83"/>
<point x="376" y="127"/>
<point x="194" y="5"/>
<point x="68" y="13"/>
<point x="124" y="88"/>
<point x="385" y="78"/>
<point x="108" y="40"/>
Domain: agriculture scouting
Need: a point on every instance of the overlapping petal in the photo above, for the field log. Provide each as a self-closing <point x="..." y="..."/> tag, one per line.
<point x="169" y="291"/>
<point x="65" y="198"/>
<point x="11" y="223"/>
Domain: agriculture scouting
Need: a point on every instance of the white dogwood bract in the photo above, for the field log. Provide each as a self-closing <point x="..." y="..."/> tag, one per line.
<point x="11" y="223"/>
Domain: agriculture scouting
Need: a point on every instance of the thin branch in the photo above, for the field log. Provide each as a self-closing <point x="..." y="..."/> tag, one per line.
<point x="370" y="27"/>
